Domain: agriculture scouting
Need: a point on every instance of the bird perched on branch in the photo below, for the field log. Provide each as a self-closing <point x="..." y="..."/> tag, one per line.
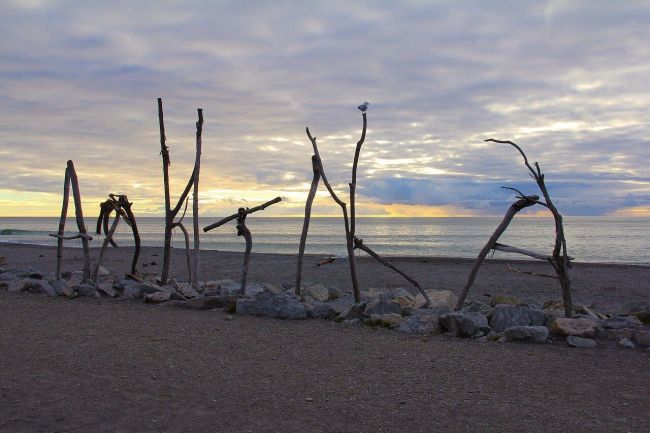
<point x="363" y="107"/>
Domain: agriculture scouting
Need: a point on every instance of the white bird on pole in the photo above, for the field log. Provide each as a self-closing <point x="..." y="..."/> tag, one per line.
<point x="363" y="107"/>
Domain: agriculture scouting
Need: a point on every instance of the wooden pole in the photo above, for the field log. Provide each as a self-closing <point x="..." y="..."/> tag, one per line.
<point x="61" y="232"/>
<point x="353" y="184"/>
<point x="195" y="200"/>
<point x="242" y="230"/>
<point x="520" y="204"/>
<point x="76" y="194"/>
<point x="305" y="224"/>
<point x="186" y="236"/>
<point x="164" y="152"/>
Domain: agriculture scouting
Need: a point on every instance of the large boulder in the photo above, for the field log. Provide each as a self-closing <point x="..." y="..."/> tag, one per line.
<point x="438" y="298"/>
<point x="421" y="324"/>
<point x="379" y="306"/>
<point x="283" y="305"/>
<point x="579" y="327"/>
<point x="534" y="334"/>
<point x="504" y="316"/>
<point x="464" y="324"/>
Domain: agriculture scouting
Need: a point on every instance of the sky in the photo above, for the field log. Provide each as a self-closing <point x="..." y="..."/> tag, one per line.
<point x="567" y="80"/>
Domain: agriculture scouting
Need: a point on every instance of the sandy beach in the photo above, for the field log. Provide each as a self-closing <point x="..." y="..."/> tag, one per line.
<point x="103" y="365"/>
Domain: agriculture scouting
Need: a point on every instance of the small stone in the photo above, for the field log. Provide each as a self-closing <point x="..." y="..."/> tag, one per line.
<point x="354" y="321"/>
<point x="20" y="285"/>
<point x="534" y="334"/>
<point x="157" y="297"/>
<point x="582" y="327"/>
<point x="353" y="311"/>
<point x="620" y="322"/>
<point x="382" y="307"/>
<point x="583" y="343"/>
<point x="317" y="291"/>
<point x="624" y="342"/>
<point x="464" y="324"/>
<point x="103" y="272"/>
<point x="319" y="310"/>
<point x="390" y="320"/>
<point x="43" y="286"/>
<point x="642" y="338"/>
<point x="285" y="305"/>
<point x="438" y="298"/>
<point x="228" y="318"/>
<point x="499" y="299"/>
<point x="187" y="290"/>
<point x="421" y="324"/>
<point x="309" y="399"/>
<point x="504" y="316"/>
<point x="617" y="334"/>
<point x="84" y="289"/>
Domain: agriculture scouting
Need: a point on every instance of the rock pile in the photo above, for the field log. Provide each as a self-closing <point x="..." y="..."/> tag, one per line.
<point x="502" y="318"/>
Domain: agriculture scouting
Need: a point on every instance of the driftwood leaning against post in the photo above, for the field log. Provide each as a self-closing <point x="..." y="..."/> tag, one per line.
<point x="559" y="258"/>
<point x="72" y="180"/>
<point x="349" y="223"/>
<point x="122" y="207"/>
<point x="242" y="230"/>
<point x="170" y="214"/>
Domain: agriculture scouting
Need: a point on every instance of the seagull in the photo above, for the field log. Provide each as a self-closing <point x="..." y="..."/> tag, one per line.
<point x="363" y="107"/>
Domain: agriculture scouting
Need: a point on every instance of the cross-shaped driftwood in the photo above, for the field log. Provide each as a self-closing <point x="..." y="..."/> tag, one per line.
<point x="242" y="230"/>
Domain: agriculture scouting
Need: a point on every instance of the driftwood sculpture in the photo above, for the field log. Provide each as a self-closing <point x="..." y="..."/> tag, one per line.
<point x="170" y="214"/>
<point x="559" y="258"/>
<point x="242" y="230"/>
<point x="349" y="222"/>
<point x="352" y="241"/>
<point x="71" y="179"/>
<point x="122" y="207"/>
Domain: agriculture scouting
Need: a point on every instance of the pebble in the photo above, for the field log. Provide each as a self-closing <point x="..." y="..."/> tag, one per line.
<point x="309" y="399"/>
<point x="628" y="344"/>
<point x="228" y="318"/>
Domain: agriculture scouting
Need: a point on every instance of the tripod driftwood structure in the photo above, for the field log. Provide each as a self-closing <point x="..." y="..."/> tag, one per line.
<point x="352" y="241"/>
<point x="71" y="179"/>
<point x="172" y="213"/>
<point x="242" y="230"/>
<point x="122" y="207"/>
<point x="559" y="258"/>
<point x="349" y="222"/>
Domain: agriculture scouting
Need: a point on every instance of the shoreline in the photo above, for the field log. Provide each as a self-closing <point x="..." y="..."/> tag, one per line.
<point x="601" y="286"/>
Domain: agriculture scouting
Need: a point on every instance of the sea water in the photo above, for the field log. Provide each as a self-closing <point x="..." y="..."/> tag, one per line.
<point x="589" y="239"/>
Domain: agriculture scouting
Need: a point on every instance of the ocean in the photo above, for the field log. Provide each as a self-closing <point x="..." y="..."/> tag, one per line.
<point x="589" y="239"/>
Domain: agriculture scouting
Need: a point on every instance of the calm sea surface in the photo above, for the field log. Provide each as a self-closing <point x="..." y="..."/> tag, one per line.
<point x="589" y="239"/>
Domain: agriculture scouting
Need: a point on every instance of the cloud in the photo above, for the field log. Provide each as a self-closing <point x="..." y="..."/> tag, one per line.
<point x="566" y="80"/>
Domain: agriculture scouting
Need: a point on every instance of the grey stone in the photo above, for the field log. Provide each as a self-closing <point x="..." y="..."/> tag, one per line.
<point x="535" y="334"/>
<point x="319" y="310"/>
<point x="131" y="291"/>
<point x="156" y="297"/>
<point x="84" y="289"/>
<point x="477" y="307"/>
<point x="583" y="343"/>
<point x="504" y="316"/>
<point x="106" y="289"/>
<point x="20" y="285"/>
<point x="317" y="291"/>
<point x="390" y="320"/>
<point x="7" y="277"/>
<point x="339" y="305"/>
<point x="103" y="272"/>
<point x="642" y="338"/>
<point x="620" y="322"/>
<point x="379" y="306"/>
<point x="421" y="324"/>
<point x="187" y="291"/>
<point x="43" y="287"/>
<point x="581" y="327"/>
<point x="624" y="342"/>
<point x="349" y="322"/>
<point x="437" y="297"/>
<point x="266" y="303"/>
<point x="335" y="293"/>
<point x="500" y="299"/>
<point x="464" y="324"/>
<point x="354" y="311"/>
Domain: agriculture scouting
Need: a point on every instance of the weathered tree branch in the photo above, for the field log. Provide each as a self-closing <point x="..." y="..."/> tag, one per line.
<point x="305" y="224"/>
<point x="195" y="200"/>
<point x="64" y="213"/>
<point x="242" y="230"/>
<point x="76" y="194"/>
<point x="520" y="204"/>
<point x="247" y="211"/>
<point x="358" y="244"/>
<point x="353" y="184"/>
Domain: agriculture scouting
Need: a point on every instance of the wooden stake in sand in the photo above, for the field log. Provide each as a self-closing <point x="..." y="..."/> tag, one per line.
<point x="305" y="224"/>
<point x="242" y="230"/>
<point x="170" y="214"/>
<point x="71" y="179"/>
<point x="559" y="258"/>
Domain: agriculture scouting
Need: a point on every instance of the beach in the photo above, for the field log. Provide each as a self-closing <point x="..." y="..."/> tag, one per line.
<point x="106" y="365"/>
